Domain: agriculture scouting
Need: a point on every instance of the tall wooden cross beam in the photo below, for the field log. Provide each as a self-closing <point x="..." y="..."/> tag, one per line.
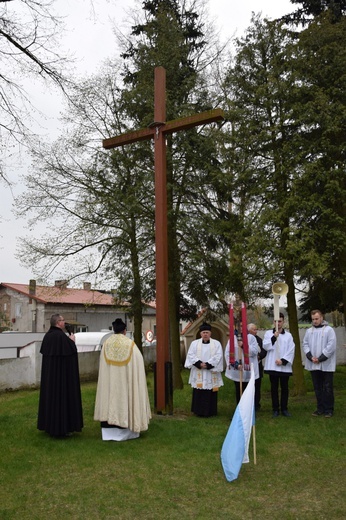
<point x="157" y="131"/>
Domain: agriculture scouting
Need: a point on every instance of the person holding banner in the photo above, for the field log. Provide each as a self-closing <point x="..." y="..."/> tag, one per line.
<point x="252" y="329"/>
<point x="236" y="368"/>
<point x="205" y="360"/>
<point x="280" y="348"/>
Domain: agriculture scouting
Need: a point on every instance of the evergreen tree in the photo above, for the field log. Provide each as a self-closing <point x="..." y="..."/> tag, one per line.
<point x="313" y="8"/>
<point x="107" y="198"/>
<point x="172" y="36"/>
<point x="321" y="113"/>
<point x="262" y="162"/>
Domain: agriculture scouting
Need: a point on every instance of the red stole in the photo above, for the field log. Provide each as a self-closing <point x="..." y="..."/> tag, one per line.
<point x="245" y="339"/>
<point x="231" y="335"/>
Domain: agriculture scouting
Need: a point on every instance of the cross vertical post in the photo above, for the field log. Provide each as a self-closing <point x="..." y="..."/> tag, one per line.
<point x="161" y="244"/>
<point x="157" y="131"/>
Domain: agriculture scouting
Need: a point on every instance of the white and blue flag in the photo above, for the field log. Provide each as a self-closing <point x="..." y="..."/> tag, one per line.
<point x="235" y="448"/>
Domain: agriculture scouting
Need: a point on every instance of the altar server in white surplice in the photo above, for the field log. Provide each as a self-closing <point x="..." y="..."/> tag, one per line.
<point x="280" y="349"/>
<point x="122" y="402"/>
<point x="205" y="360"/>
<point x="235" y="371"/>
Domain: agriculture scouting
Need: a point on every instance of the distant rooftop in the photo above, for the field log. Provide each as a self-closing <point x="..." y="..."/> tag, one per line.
<point x="60" y="293"/>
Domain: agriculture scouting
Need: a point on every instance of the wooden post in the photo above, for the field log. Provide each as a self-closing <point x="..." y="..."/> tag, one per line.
<point x="157" y="131"/>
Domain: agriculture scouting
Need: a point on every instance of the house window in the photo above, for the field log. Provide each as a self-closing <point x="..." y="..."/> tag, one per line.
<point x="18" y="310"/>
<point x="5" y="307"/>
<point x="82" y="328"/>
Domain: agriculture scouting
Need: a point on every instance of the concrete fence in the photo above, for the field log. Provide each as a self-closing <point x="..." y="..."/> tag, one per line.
<point x="22" y="367"/>
<point x="24" y="371"/>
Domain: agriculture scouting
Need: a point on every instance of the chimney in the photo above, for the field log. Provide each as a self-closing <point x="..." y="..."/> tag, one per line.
<point x="32" y="287"/>
<point x="87" y="286"/>
<point x="62" y="284"/>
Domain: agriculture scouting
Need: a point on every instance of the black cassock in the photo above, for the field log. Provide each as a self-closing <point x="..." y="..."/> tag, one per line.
<point x="60" y="406"/>
<point x="204" y="402"/>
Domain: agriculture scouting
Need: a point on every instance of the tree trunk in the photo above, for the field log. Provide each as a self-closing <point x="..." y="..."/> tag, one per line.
<point x="173" y="278"/>
<point x="299" y="387"/>
<point x="136" y="299"/>
<point x="137" y="320"/>
<point x="343" y="267"/>
<point x="174" y="341"/>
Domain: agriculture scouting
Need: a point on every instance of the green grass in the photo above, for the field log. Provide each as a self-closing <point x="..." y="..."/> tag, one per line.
<point x="173" y="470"/>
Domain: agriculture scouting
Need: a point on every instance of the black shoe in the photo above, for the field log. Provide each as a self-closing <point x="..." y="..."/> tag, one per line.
<point x="275" y="414"/>
<point x="317" y="413"/>
<point x="286" y="413"/>
<point x="328" y="415"/>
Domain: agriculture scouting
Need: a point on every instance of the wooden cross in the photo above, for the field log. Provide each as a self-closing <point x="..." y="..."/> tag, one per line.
<point x="157" y="131"/>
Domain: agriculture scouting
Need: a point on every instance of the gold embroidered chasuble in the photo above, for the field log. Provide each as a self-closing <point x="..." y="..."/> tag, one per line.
<point x="118" y="350"/>
<point x="122" y="394"/>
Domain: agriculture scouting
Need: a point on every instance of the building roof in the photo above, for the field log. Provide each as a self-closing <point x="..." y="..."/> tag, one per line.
<point x="192" y="323"/>
<point x="151" y="304"/>
<point x="62" y="294"/>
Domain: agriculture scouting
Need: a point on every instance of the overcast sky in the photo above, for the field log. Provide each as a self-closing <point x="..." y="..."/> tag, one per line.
<point x="90" y="39"/>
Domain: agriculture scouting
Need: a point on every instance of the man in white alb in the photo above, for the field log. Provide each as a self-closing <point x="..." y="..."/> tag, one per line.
<point x="205" y="360"/>
<point x="320" y="350"/>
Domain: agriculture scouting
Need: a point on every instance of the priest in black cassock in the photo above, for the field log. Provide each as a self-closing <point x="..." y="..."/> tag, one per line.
<point x="205" y="361"/>
<point x="60" y="406"/>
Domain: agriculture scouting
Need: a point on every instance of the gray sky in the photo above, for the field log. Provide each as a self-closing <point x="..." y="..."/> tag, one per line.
<point x="90" y="39"/>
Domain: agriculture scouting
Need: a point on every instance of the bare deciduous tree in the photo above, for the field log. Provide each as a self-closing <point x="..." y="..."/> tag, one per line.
<point x="29" y="35"/>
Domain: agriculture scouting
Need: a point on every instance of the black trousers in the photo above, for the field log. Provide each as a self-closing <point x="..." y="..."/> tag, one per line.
<point x="277" y="380"/>
<point x="323" y="386"/>
<point x="258" y="383"/>
<point x="204" y="402"/>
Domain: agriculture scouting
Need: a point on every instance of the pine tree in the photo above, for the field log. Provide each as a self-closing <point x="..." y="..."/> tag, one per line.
<point x="262" y="162"/>
<point x="321" y="113"/>
<point x="172" y="36"/>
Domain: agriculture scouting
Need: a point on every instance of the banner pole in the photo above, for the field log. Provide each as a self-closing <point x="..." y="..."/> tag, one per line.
<point x="254" y="443"/>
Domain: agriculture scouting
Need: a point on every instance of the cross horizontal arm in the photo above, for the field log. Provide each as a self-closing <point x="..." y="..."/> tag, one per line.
<point x="183" y="123"/>
<point x="128" y="138"/>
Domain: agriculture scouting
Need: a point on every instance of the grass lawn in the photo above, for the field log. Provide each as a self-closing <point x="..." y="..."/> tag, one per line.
<point x="173" y="471"/>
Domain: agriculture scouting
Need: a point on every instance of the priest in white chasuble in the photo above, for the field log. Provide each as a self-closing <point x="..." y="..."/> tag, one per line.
<point x="205" y="361"/>
<point x="122" y="403"/>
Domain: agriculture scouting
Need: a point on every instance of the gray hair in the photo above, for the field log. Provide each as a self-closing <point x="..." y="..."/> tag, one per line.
<point x="54" y="319"/>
